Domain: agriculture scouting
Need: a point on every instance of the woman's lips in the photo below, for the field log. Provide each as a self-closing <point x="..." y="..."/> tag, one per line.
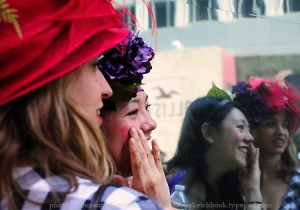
<point x="278" y="142"/>
<point x="100" y="119"/>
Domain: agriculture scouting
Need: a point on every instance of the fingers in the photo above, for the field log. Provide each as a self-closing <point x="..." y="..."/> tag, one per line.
<point x="144" y="141"/>
<point x="136" y="162"/>
<point x="156" y="156"/>
<point x="153" y="156"/>
<point x="257" y="155"/>
<point x="143" y="147"/>
<point x="250" y="156"/>
<point x="139" y="161"/>
<point x="253" y="156"/>
<point x="256" y="158"/>
<point x="150" y="160"/>
<point x="147" y="171"/>
<point x="145" y="153"/>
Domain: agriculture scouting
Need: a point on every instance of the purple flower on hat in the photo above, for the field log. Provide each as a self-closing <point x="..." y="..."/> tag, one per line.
<point x="127" y="62"/>
<point x="253" y="104"/>
<point x="125" y="65"/>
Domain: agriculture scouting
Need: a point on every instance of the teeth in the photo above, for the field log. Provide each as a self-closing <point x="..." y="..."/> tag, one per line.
<point x="243" y="149"/>
<point x="279" y="140"/>
<point x="98" y="112"/>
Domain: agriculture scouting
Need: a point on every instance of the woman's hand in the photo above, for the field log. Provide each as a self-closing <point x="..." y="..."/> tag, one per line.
<point x="251" y="178"/>
<point x="147" y="172"/>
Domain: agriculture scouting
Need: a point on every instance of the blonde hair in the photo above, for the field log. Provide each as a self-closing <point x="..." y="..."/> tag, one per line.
<point x="47" y="129"/>
<point x="288" y="161"/>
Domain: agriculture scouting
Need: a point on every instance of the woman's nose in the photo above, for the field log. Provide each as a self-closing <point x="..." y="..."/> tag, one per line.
<point x="280" y="129"/>
<point x="106" y="89"/>
<point x="148" y="123"/>
<point x="249" y="137"/>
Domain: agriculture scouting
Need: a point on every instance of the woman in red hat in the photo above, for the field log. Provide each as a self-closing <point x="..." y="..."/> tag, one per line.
<point x="274" y="136"/>
<point x="52" y="153"/>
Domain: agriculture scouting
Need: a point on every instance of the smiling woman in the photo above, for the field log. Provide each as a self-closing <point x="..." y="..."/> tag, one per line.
<point x="127" y="124"/>
<point x="117" y="126"/>
<point x="278" y="161"/>
<point x="214" y="147"/>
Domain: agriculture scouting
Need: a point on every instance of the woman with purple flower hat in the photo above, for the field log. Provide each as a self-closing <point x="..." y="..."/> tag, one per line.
<point x="127" y="124"/>
<point x="215" y="157"/>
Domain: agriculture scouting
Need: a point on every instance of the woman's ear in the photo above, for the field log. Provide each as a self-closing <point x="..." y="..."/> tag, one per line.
<point x="207" y="133"/>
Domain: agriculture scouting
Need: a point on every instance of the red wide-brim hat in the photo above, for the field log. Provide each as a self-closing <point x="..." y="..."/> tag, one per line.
<point x="55" y="37"/>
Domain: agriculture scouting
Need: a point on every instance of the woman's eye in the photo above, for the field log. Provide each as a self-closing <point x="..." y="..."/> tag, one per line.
<point x="241" y="127"/>
<point x="269" y="124"/>
<point x="95" y="66"/>
<point x="134" y="112"/>
<point x="148" y="107"/>
<point x="286" y="125"/>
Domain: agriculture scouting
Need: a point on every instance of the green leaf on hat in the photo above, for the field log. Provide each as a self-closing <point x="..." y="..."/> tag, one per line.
<point x="122" y="92"/>
<point x="218" y="93"/>
<point x="9" y="15"/>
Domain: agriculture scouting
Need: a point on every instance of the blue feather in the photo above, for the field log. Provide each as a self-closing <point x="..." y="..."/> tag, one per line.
<point x="176" y="178"/>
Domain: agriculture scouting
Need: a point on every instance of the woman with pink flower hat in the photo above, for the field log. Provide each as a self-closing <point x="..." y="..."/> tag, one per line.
<point x="274" y="136"/>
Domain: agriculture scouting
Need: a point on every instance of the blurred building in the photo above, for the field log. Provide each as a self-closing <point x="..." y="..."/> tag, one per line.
<point x="205" y="41"/>
<point x="244" y="27"/>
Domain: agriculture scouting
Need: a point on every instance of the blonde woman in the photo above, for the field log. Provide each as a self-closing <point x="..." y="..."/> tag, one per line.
<point x="52" y="153"/>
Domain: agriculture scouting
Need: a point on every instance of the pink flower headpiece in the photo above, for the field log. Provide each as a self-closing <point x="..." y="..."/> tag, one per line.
<point x="279" y="97"/>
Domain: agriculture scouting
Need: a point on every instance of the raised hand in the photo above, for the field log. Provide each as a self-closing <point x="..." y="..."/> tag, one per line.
<point x="251" y="177"/>
<point x="147" y="172"/>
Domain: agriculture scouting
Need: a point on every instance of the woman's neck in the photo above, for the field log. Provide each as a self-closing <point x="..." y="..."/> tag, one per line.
<point x="269" y="164"/>
<point x="214" y="173"/>
<point x="214" y="181"/>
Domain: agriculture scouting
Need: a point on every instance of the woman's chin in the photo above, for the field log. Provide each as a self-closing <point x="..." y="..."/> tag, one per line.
<point x="241" y="163"/>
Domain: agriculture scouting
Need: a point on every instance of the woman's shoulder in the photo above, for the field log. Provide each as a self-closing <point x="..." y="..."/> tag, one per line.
<point x="120" y="197"/>
<point x="297" y="170"/>
<point x="292" y="198"/>
<point x="87" y="194"/>
<point x="295" y="180"/>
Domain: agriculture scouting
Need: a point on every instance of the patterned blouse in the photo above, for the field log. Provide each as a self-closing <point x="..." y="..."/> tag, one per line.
<point x="37" y="188"/>
<point x="291" y="200"/>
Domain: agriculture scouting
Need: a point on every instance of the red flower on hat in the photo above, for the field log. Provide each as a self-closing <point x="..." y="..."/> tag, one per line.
<point x="279" y="97"/>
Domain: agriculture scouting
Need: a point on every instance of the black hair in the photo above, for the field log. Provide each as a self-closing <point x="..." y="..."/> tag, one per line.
<point x="192" y="146"/>
<point x="109" y="105"/>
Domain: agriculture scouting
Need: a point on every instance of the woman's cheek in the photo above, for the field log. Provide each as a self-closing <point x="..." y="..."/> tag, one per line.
<point x="238" y="137"/>
<point x="125" y="134"/>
